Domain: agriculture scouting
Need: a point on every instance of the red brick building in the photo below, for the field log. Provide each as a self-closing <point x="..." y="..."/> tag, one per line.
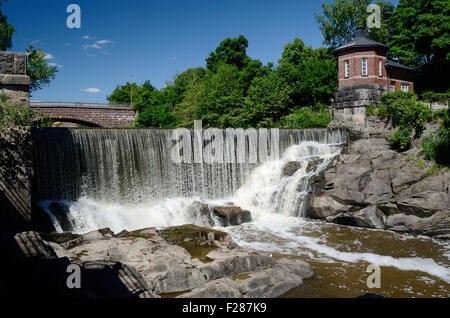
<point x="364" y="73"/>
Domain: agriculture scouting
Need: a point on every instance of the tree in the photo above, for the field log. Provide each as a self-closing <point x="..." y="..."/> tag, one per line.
<point x="422" y="40"/>
<point x="341" y="17"/>
<point x="231" y="51"/>
<point x="220" y="97"/>
<point x="6" y="31"/>
<point x="268" y="100"/>
<point x="38" y="69"/>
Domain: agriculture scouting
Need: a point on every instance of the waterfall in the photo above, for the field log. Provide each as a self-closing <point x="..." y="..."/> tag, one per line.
<point x="127" y="178"/>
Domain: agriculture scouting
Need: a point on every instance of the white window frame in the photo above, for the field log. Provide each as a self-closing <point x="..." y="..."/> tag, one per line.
<point x="346" y="68"/>
<point x="392" y="86"/>
<point x="405" y="87"/>
<point x="380" y="69"/>
<point x="364" y="65"/>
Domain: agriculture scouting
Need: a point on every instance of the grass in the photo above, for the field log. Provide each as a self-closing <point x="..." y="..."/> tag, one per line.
<point x="58" y="238"/>
<point x="192" y="238"/>
<point x="174" y="294"/>
<point x="240" y="277"/>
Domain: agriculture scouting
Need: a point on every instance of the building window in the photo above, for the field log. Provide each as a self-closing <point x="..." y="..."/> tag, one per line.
<point x="405" y="87"/>
<point x="380" y="69"/>
<point x="346" y="68"/>
<point x="364" y="66"/>
<point x="392" y="86"/>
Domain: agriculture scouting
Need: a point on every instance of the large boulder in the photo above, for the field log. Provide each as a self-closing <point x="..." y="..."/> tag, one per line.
<point x="290" y="168"/>
<point x="231" y="215"/>
<point x="424" y="204"/>
<point x="368" y="217"/>
<point x="324" y="206"/>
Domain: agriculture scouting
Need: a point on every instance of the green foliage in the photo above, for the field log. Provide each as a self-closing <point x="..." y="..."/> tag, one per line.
<point x="408" y="114"/>
<point x="340" y="18"/>
<point x="308" y="117"/>
<point x="437" y="146"/>
<point x="432" y="97"/>
<point x="6" y="31"/>
<point x="17" y="115"/>
<point x="38" y="69"/>
<point x="231" y="51"/>
<point x="370" y="110"/>
<point x="401" y="139"/>
<point x="421" y="40"/>
<point x="235" y="90"/>
<point x="268" y="100"/>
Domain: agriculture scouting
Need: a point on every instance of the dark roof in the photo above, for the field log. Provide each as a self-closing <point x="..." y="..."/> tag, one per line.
<point x="360" y="40"/>
<point x="393" y="64"/>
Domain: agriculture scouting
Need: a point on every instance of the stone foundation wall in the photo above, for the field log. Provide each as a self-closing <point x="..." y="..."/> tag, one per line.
<point x="14" y="83"/>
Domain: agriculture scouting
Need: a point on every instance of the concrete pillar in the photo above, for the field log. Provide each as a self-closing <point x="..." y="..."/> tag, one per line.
<point x="14" y="81"/>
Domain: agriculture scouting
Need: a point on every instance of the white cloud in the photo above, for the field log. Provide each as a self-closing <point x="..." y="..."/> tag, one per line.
<point x="97" y="45"/>
<point x="102" y="42"/>
<point x="55" y="64"/>
<point x="91" y="90"/>
<point x="49" y="56"/>
<point x="86" y="37"/>
<point x="173" y="57"/>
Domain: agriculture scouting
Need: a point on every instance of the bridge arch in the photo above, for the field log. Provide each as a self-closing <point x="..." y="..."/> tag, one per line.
<point x="91" y="115"/>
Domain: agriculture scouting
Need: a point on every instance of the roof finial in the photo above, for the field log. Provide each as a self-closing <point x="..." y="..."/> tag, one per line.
<point x="360" y="32"/>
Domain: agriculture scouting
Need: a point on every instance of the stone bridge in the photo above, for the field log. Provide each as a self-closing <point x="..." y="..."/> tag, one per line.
<point x="87" y="114"/>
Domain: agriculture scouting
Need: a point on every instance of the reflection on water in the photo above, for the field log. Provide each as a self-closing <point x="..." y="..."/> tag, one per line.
<point x="411" y="266"/>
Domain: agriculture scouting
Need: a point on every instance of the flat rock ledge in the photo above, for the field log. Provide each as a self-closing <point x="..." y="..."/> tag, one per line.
<point x="183" y="261"/>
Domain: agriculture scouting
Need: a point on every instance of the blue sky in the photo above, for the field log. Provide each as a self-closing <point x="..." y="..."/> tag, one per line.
<point x="135" y="40"/>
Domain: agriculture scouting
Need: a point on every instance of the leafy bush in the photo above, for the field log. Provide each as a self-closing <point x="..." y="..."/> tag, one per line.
<point x="401" y="139"/>
<point x="17" y="115"/>
<point x="407" y="113"/>
<point x="318" y="116"/>
<point x="437" y="146"/>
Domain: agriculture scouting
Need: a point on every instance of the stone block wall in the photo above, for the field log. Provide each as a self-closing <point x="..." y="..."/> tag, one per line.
<point x="14" y="82"/>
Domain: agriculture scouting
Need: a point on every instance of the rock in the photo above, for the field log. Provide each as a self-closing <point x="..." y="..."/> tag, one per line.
<point x="232" y="215"/>
<point x="61" y="212"/>
<point x="439" y="182"/>
<point x="90" y="236"/>
<point x="437" y="225"/>
<point x="167" y="265"/>
<point x="377" y="190"/>
<point x="290" y="168"/>
<point x="424" y="204"/>
<point x="348" y="197"/>
<point x="388" y="208"/>
<point x="367" y="217"/>
<point x="324" y="206"/>
<point x="200" y="213"/>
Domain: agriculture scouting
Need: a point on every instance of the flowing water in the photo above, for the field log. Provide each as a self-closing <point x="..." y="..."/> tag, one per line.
<point x="127" y="179"/>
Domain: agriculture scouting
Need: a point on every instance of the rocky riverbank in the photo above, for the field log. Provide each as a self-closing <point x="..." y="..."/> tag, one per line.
<point x="370" y="185"/>
<point x="184" y="261"/>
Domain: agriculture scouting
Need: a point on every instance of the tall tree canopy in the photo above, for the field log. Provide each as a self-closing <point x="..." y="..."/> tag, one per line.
<point x="422" y="40"/>
<point x="6" y="31"/>
<point x="340" y="18"/>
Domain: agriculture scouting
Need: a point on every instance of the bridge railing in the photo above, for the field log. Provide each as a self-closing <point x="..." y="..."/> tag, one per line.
<point x="56" y="103"/>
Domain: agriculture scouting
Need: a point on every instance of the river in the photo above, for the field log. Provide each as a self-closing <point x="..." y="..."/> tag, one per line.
<point x="127" y="179"/>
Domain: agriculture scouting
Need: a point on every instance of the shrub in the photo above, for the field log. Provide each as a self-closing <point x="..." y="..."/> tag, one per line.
<point x="401" y="139"/>
<point x="17" y="115"/>
<point x="437" y="146"/>
<point x="407" y="113"/>
<point x="318" y="116"/>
